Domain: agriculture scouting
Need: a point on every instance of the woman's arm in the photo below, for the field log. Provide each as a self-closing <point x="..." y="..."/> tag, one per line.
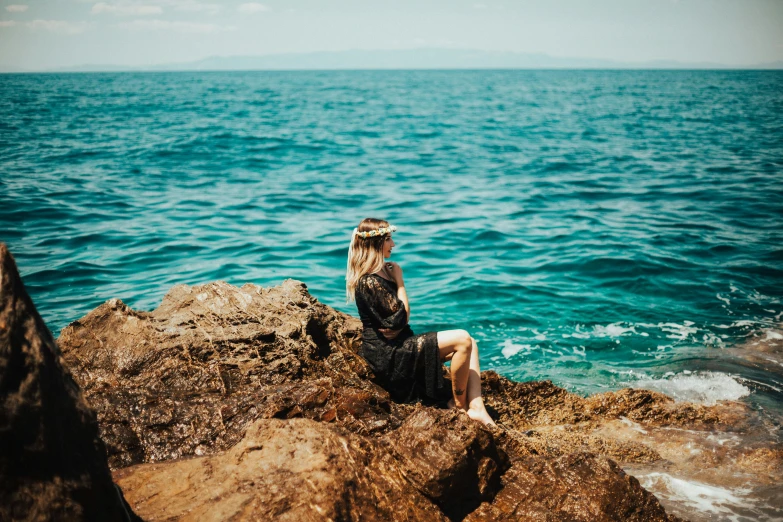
<point x="402" y="294"/>
<point x="395" y="272"/>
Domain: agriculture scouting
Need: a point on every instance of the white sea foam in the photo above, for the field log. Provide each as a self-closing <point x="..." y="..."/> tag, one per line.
<point x="600" y="331"/>
<point x="678" y="331"/>
<point x="510" y="349"/>
<point x="773" y="335"/>
<point x="725" y="439"/>
<point x="633" y="425"/>
<point x="710" y="339"/>
<point x="578" y="334"/>
<point x="703" y="497"/>
<point x="539" y="336"/>
<point x="703" y="388"/>
<point x="760" y="298"/>
<point x="612" y="330"/>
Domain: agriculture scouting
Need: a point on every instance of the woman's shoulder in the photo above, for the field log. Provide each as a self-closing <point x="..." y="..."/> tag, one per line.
<point x="370" y="282"/>
<point x="374" y="278"/>
<point x="363" y="282"/>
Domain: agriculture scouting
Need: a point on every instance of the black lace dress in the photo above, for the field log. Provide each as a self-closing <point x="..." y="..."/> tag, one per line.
<point x="407" y="366"/>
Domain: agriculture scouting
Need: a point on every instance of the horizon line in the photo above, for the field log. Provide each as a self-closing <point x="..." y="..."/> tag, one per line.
<point x="123" y="70"/>
<point x="432" y="54"/>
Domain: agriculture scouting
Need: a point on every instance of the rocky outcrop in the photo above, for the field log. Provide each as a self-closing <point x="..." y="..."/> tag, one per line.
<point x="191" y="399"/>
<point x="437" y="466"/>
<point x="189" y="377"/>
<point x="554" y="422"/>
<point x="541" y="403"/>
<point x="52" y="462"/>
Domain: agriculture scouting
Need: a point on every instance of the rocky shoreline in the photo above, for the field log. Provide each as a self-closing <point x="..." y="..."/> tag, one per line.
<point x="229" y="403"/>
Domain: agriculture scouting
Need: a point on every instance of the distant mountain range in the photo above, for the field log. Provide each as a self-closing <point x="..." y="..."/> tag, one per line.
<point x="427" y="58"/>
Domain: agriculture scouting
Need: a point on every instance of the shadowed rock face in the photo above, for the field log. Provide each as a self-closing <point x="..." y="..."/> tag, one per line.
<point x="208" y="372"/>
<point x="451" y="459"/>
<point x="52" y="462"/>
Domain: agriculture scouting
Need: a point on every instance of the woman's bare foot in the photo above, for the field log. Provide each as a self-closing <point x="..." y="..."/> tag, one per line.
<point x="481" y="416"/>
<point x="477" y="414"/>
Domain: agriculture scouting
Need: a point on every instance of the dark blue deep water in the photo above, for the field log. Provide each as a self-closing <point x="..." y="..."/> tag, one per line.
<point x="597" y="228"/>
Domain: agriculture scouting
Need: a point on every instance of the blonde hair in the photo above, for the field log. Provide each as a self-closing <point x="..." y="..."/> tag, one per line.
<point x="365" y="255"/>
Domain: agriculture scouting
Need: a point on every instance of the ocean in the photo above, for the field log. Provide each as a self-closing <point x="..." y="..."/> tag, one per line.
<point x="597" y="228"/>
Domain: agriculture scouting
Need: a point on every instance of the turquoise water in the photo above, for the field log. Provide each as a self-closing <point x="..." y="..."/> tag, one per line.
<point x="597" y="228"/>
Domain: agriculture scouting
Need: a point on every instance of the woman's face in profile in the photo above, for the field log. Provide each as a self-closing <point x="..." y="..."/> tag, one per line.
<point x="388" y="244"/>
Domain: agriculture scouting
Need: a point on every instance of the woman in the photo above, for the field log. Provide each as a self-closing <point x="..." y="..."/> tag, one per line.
<point x="409" y="366"/>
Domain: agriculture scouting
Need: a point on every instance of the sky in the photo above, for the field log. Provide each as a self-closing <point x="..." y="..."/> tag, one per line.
<point x="51" y="34"/>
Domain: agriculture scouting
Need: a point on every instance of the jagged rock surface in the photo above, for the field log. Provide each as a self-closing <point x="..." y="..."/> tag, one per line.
<point x="52" y="462"/>
<point x="578" y="487"/>
<point x="190" y="378"/>
<point x="451" y="459"/>
<point x="297" y="470"/>
<point x="541" y="403"/>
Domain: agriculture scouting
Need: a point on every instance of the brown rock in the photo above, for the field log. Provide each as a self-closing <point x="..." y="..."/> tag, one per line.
<point x="579" y="487"/>
<point x="451" y="459"/>
<point x="522" y="404"/>
<point x="555" y="441"/>
<point x="297" y="470"/>
<point x="52" y="462"/>
<point x="656" y="409"/>
<point x="188" y="377"/>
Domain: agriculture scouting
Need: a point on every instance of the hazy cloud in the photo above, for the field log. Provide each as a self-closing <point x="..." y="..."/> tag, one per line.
<point x="126" y="9"/>
<point x="178" y="26"/>
<point x="58" y="26"/>
<point x="193" y="6"/>
<point x="16" y="8"/>
<point x="7" y="23"/>
<point x="252" y="8"/>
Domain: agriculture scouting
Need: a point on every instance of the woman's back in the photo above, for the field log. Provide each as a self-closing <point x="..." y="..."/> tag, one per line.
<point x="378" y="304"/>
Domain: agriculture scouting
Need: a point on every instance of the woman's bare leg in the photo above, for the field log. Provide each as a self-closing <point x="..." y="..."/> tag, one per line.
<point x="461" y="348"/>
<point x="476" y="409"/>
<point x="457" y="344"/>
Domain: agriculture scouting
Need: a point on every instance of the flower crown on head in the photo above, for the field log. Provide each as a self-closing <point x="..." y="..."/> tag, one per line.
<point x="377" y="232"/>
